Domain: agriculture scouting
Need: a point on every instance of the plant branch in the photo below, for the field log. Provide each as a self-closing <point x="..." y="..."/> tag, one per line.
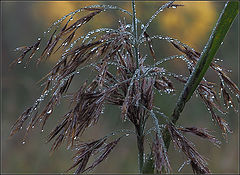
<point x="223" y="25"/>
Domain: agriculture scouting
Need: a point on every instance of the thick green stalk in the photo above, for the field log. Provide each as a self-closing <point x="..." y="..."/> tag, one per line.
<point x="223" y="25"/>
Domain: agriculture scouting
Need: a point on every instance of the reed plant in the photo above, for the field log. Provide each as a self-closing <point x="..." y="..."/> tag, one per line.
<point x="123" y="77"/>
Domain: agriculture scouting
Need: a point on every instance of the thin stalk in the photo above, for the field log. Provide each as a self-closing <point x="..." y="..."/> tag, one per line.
<point x="140" y="127"/>
<point x="140" y="144"/>
<point x="134" y="25"/>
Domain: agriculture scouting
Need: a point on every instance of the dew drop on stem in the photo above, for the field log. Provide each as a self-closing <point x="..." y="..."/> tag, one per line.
<point x="49" y="112"/>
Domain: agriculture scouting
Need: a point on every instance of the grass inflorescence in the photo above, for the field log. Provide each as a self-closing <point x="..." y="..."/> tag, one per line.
<point x="124" y="79"/>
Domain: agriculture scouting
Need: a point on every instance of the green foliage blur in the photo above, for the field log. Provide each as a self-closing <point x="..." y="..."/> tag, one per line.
<point x="24" y="22"/>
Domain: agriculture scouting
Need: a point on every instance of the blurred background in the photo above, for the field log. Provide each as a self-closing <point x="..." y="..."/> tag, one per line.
<point x="24" y="22"/>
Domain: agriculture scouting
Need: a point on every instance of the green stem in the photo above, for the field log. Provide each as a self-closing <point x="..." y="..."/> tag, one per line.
<point x="223" y="25"/>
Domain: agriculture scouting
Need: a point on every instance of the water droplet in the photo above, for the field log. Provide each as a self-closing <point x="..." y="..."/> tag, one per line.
<point x="69" y="146"/>
<point x="49" y="112"/>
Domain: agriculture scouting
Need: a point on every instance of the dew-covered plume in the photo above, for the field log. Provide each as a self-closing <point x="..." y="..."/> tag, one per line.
<point x="123" y="77"/>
